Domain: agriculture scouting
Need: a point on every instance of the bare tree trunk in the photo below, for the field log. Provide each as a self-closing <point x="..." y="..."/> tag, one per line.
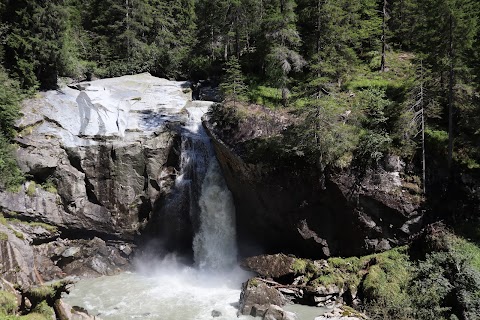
<point x="384" y="39"/>
<point x="451" y="97"/>
<point x="128" y="29"/>
<point x="237" y="33"/>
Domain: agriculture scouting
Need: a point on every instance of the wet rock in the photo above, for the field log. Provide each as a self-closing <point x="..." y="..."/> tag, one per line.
<point x="342" y="313"/>
<point x="256" y="293"/>
<point x="270" y="266"/>
<point x="276" y="313"/>
<point x="216" y="314"/>
<point x="73" y="313"/>
<point x="17" y="264"/>
<point x="126" y="249"/>
<point x="259" y="310"/>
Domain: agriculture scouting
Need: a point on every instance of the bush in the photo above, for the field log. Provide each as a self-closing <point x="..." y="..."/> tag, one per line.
<point x="10" y="175"/>
<point x="10" y="97"/>
<point x="8" y="303"/>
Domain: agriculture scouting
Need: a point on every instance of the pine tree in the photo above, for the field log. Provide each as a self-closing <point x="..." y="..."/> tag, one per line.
<point x="283" y="42"/>
<point x="445" y="34"/>
<point x="233" y="85"/>
<point x="34" y="43"/>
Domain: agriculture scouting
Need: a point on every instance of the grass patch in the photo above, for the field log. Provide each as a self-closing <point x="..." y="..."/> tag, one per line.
<point x="8" y="303"/>
<point x="46" y="226"/>
<point x="44" y="309"/>
<point x="11" y="177"/>
<point x="467" y="250"/>
<point x="31" y="189"/>
<point x="49" y="186"/>
<point x="265" y="96"/>
<point x="299" y="266"/>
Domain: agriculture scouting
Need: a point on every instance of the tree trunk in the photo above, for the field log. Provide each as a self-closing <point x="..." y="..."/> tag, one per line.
<point x="384" y="40"/>
<point x="451" y="80"/>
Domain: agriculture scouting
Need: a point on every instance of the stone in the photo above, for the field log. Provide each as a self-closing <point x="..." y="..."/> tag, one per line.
<point x="275" y="312"/>
<point x="270" y="266"/>
<point x="70" y="252"/>
<point x="126" y="249"/>
<point x="216" y="314"/>
<point x="258" y="310"/>
<point x="256" y="292"/>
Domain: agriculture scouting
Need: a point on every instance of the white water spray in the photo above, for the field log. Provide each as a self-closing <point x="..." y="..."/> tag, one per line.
<point x="214" y="245"/>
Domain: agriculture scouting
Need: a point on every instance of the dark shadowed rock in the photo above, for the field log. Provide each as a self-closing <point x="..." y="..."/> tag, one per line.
<point x="298" y="208"/>
<point x="216" y="313"/>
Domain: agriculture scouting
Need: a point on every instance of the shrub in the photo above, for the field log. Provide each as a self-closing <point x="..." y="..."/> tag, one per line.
<point x="31" y="189"/>
<point x="11" y="176"/>
<point x="8" y="303"/>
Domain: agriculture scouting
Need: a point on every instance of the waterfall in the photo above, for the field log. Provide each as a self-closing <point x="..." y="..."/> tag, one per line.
<point x="214" y="244"/>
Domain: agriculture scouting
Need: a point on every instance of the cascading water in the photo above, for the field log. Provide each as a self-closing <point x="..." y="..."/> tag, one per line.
<point x="214" y="244"/>
<point x="166" y="289"/>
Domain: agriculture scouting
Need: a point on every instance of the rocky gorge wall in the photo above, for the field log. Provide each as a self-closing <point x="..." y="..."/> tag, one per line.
<point x="300" y="210"/>
<point x="100" y="158"/>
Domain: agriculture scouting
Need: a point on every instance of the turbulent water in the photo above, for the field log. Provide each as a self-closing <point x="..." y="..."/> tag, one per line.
<point x="166" y="289"/>
<point x="171" y="291"/>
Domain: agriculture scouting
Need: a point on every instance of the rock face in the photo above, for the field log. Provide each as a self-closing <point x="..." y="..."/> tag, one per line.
<point x="301" y="210"/>
<point x="256" y="298"/>
<point x="102" y="157"/>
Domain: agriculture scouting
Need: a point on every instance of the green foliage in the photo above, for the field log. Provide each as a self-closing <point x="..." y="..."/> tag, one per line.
<point x="233" y="85"/>
<point x="3" y="236"/>
<point x="33" y="46"/>
<point x="49" y="185"/>
<point x="265" y="96"/>
<point x="31" y="189"/>
<point x="299" y="266"/>
<point x="8" y="303"/>
<point x="10" y="175"/>
<point x="44" y="309"/>
<point x="10" y="97"/>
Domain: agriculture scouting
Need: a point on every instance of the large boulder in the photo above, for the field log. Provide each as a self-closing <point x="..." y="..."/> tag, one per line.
<point x="270" y="266"/>
<point x="256" y="298"/>
<point x="101" y="159"/>
<point x="106" y="146"/>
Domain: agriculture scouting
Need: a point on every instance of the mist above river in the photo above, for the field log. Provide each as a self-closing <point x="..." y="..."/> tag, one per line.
<point x="161" y="289"/>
